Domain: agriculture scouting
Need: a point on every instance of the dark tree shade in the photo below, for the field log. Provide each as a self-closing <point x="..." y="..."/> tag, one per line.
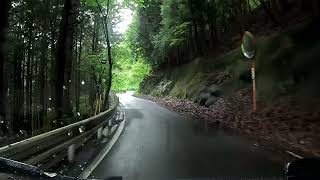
<point x="64" y="56"/>
<point x="47" y="67"/>
<point x="4" y="11"/>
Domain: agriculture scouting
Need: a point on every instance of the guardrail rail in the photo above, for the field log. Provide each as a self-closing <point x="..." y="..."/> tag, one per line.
<point x="47" y="149"/>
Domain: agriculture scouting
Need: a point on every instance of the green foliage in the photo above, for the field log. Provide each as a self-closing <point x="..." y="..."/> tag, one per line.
<point x="145" y="28"/>
<point x="180" y="34"/>
<point x="254" y="4"/>
<point x="127" y="72"/>
<point x="94" y="2"/>
<point x="85" y="108"/>
<point x="129" y="67"/>
<point x="133" y="4"/>
<point x="165" y="28"/>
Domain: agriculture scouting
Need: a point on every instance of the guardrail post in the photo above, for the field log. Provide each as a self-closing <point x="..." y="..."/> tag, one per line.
<point x="99" y="133"/>
<point x="71" y="151"/>
<point x="110" y="124"/>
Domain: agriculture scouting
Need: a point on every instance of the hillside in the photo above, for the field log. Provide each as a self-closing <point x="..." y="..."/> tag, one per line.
<point x="287" y="86"/>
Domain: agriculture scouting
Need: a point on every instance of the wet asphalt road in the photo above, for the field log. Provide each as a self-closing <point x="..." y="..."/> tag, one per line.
<point x="157" y="143"/>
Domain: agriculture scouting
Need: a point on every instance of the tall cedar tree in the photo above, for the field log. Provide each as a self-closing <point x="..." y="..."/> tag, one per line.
<point x="64" y="57"/>
<point x="4" y="13"/>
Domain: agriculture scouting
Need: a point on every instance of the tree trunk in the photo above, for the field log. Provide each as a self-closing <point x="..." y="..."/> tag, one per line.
<point x="109" y="81"/>
<point x="93" y="48"/>
<point x="97" y="34"/>
<point x="92" y="89"/>
<point x="191" y="40"/>
<point x="4" y="13"/>
<point x="194" y="30"/>
<point x="78" y="73"/>
<point x="202" y="39"/>
<point x="53" y="58"/>
<point x="196" y="37"/>
<point x="109" y="57"/>
<point x="67" y="89"/>
<point x="29" y="81"/>
<point x="213" y="33"/>
<point x="64" y="55"/>
<point x="42" y="80"/>
<point x="94" y="83"/>
<point x="75" y="67"/>
<point x="24" y="87"/>
<point x="18" y="110"/>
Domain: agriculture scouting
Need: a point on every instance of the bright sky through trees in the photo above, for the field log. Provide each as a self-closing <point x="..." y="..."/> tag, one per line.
<point x="126" y="19"/>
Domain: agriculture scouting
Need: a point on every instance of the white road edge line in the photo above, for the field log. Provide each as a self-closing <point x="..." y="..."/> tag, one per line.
<point x="85" y="174"/>
<point x="294" y="155"/>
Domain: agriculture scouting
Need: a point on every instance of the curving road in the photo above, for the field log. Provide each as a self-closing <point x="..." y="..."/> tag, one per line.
<point x="160" y="144"/>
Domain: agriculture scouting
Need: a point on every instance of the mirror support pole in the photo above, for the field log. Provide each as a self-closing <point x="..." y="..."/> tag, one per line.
<point x="254" y="90"/>
<point x="248" y="48"/>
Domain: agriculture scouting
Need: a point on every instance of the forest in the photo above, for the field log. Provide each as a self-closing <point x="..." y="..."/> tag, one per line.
<point x="176" y="31"/>
<point x="57" y="63"/>
<point x="59" y="59"/>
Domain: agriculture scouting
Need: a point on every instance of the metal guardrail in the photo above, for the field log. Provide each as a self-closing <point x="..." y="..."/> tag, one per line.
<point x="57" y="143"/>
